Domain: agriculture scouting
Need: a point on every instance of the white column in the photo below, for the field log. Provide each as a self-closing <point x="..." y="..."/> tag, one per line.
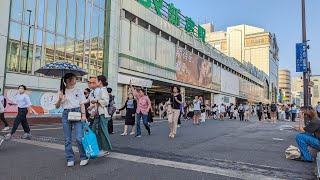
<point x="4" y="21"/>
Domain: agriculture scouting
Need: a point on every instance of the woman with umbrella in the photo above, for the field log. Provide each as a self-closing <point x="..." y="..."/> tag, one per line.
<point x="72" y="99"/>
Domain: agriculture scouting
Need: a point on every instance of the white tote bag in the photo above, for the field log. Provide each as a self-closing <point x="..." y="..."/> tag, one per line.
<point x="292" y="152"/>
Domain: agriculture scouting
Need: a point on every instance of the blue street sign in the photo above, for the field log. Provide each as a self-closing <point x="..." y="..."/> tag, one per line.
<point x="301" y="57"/>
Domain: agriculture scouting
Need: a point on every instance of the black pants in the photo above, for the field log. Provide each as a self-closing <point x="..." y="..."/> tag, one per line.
<point x="179" y="119"/>
<point x="21" y="118"/>
<point x="241" y="115"/>
<point x="4" y="120"/>
<point x="231" y="115"/>
<point x="260" y="116"/>
<point x="294" y="115"/>
<point x="110" y="126"/>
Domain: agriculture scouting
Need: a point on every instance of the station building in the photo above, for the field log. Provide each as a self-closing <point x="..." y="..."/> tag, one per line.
<point x="148" y="42"/>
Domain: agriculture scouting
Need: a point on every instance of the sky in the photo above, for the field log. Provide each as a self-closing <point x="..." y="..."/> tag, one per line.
<point x="282" y="17"/>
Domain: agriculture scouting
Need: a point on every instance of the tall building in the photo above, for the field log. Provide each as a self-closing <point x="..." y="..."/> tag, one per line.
<point x="251" y="45"/>
<point x="125" y="40"/>
<point x="297" y="89"/>
<point x="285" y="85"/>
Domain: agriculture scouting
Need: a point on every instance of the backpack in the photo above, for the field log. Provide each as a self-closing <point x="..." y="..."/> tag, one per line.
<point x="111" y="108"/>
<point x="273" y="108"/>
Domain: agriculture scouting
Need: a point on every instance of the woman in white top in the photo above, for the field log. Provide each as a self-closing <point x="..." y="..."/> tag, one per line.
<point x="100" y="125"/>
<point x="72" y="99"/>
<point x="24" y="105"/>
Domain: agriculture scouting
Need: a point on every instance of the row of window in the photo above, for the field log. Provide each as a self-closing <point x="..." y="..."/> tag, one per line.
<point x="60" y="30"/>
<point x="172" y="39"/>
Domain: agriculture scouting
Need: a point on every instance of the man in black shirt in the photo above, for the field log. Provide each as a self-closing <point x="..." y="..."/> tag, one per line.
<point x="310" y="134"/>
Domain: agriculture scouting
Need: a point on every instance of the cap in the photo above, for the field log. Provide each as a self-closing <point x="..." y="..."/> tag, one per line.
<point x="92" y="80"/>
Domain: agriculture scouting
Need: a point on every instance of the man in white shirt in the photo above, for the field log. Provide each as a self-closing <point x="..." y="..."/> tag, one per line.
<point x="247" y="112"/>
<point x="6" y="128"/>
<point x="95" y="90"/>
<point x="241" y="110"/>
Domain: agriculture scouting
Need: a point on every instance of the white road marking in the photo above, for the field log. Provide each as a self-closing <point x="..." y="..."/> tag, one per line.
<point x="57" y="128"/>
<point x="161" y="162"/>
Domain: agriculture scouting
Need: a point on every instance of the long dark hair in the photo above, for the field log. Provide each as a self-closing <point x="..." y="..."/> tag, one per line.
<point x="103" y="80"/>
<point x="64" y="81"/>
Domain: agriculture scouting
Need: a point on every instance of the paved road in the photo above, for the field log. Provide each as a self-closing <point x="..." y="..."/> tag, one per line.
<point x="213" y="150"/>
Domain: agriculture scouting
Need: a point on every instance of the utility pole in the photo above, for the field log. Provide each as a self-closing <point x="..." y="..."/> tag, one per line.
<point x="304" y="40"/>
<point x="28" y="41"/>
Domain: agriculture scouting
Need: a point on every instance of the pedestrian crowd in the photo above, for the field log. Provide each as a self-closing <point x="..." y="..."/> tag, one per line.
<point x="96" y="106"/>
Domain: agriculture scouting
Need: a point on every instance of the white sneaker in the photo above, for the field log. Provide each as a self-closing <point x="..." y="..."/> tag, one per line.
<point x="124" y="134"/>
<point x="70" y="164"/>
<point x="84" y="162"/>
<point x="103" y="153"/>
<point x="26" y="136"/>
<point x="7" y="136"/>
<point x="1" y="141"/>
<point x="132" y="133"/>
<point x="6" y="128"/>
<point x="179" y="125"/>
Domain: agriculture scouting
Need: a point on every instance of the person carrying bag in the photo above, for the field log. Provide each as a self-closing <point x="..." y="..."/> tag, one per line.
<point x="89" y="142"/>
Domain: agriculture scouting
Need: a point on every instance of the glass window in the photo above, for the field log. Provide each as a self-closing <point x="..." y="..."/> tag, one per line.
<point x="41" y="13"/>
<point x="51" y="15"/>
<point x="71" y="19"/>
<point x="88" y="21"/>
<point x="69" y="50"/>
<point x="14" y="46"/>
<point x="26" y="51"/>
<point x="30" y="5"/>
<point x="80" y="19"/>
<point x="101" y="28"/>
<point x="96" y="2"/>
<point x="95" y="22"/>
<point x="49" y="48"/>
<point x="79" y="53"/>
<point x="62" y="9"/>
<point x="38" y="57"/>
<point x="60" y="48"/>
<point x="103" y="4"/>
<point x="16" y="10"/>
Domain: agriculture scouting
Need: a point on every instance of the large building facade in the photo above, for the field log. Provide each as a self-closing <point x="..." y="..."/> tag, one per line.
<point x="126" y="40"/>
<point x="250" y="45"/>
<point x="297" y="90"/>
<point x="285" y="85"/>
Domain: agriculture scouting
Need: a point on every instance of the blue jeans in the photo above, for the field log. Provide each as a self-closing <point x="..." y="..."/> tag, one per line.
<point x="304" y="140"/>
<point x="145" y="122"/>
<point x="67" y="130"/>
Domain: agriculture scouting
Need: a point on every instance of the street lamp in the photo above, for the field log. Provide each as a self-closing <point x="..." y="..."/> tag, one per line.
<point x="28" y="46"/>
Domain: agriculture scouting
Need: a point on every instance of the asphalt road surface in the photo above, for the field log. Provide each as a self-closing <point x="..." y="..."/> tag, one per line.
<point x="216" y="149"/>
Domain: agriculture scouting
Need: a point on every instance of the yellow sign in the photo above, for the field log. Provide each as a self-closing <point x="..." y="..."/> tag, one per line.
<point x="257" y="41"/>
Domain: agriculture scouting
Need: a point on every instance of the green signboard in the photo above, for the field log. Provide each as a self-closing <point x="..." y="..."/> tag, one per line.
<point x="174" y="16"/>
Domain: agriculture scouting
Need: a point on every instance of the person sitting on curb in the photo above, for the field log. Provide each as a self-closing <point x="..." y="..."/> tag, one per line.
<point x="310" y="134"/>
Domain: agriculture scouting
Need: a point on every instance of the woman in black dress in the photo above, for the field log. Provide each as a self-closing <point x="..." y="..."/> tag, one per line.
<point x="130" y="106"/>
